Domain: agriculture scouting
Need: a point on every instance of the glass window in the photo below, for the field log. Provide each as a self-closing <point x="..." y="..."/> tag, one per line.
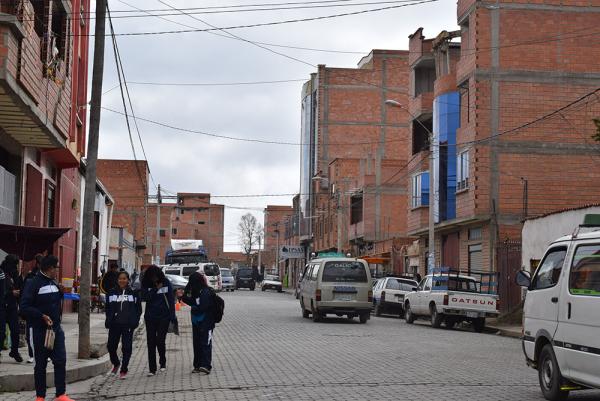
<point x="549" y="271"/>
<point x="585" y="271"/>
<point x="427" y="286"/>
<point x="354" y="272"/>
<point x="420" y="190"/>
<point x="392" y="284"/>
<point x="407" y="285"/>
<point x="172" y="271"/>
<point x="422" y="284"/>
<point x="211" y="270"/>
<point x="475" y="234"/>
<point x="314" y="273"/>
<point x="225" y="272"/>
<point x="462" y="170"/>
<point x="188" y="270"/>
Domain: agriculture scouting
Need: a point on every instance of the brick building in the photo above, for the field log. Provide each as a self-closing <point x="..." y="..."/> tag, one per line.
<point x="43" y="92"/>
<point x="355" y="145"/>
<point x="275" y="220"/>
<point x="513" y="155"/>
<point x="127" y="181"/>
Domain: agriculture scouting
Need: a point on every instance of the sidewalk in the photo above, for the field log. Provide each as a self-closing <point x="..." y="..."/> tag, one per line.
<point x="504" y="329"/>
<point x="19" y="376"/>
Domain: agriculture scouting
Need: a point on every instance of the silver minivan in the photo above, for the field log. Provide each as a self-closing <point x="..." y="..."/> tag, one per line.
<point x="336" y="286"/>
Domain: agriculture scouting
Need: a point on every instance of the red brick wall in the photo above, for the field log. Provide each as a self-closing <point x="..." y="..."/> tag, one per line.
<point x="275" y="218"/>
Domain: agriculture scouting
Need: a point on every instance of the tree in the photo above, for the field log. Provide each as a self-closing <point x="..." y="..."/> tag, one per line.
<point x="250" y="232"/>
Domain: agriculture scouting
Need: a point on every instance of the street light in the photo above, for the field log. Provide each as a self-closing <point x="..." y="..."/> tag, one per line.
<point x="432" y="193"/>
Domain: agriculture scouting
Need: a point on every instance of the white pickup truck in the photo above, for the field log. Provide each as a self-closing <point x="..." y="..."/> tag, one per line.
<point x="451" y="298"/>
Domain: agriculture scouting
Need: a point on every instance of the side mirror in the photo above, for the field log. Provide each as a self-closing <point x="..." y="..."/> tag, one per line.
<point x="523" y="279"/>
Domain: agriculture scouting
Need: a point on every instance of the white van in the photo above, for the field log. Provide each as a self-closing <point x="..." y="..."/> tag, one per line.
<point x="211" y="271"/>
<point x="561" y="319"/>
<point x="337" y="286"/>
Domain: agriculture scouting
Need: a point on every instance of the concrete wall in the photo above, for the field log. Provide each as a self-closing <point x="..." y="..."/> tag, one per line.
<point x="539" y="233"/>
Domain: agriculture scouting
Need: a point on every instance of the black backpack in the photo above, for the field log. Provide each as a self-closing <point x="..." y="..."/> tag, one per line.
<point x="219" y="306"/>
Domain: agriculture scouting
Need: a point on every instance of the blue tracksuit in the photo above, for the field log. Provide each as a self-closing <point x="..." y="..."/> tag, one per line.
<point x="41" y="296"/>
<point x="160" y="310"/>
<point x="2" y="309"/>
<point x="123" y="311"/>
<point x="203" y="324"/>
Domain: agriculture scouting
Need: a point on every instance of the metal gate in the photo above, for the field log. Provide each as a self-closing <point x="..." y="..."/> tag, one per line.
<point x="508" y="262"/>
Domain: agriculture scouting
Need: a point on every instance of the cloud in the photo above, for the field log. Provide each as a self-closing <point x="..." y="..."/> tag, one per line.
<point x="195" y="163"/>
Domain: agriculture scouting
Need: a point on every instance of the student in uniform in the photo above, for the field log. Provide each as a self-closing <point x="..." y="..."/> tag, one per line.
<point x="41" y="305"/>
<point x="123" y="311"/>
<point x="36" y="269"/>
<point x="13" y="286"/>
<point x="2" y="311"/>
<point x="199" y="297"/>
<point x="157" y="292"/>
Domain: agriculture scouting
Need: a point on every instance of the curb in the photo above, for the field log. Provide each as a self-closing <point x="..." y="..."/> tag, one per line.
<point x="505" y="332"/>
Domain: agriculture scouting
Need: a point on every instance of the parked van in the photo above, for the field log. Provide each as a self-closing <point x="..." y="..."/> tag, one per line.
<point x="210" y="270"/>
<point x="561" y="319"/>
<point x="337" y="286"/>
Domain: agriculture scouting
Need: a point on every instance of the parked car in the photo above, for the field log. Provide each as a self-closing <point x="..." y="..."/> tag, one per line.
<point x="389" y="293"/>
<point x="272" y="282"/>
<point x="245" y="279"/>
<point x="227" y="280"/>
<point x="210" y="270"/>
<point x="338" y="286"/>
<point x="561" y="315"/>
<point x="450" y="297"/>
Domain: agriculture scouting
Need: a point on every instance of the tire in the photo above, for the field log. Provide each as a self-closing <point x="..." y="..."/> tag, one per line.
<point x="450" y="323"/>
<point x="263" y="289"/>
<point x="279" y="290"/>
<point x="378" y="309"/>
<point x="408" y="315"/>
<point x="549" y="375"/>
<point x="251" y="288"/>
<point x="436" y="318"/>
<point x="305" y="313"/>
<point x="350" y="317"/>
<point x="479" y="324"/>
<point x="316" y="316"/>
<point x="363" y="317"/>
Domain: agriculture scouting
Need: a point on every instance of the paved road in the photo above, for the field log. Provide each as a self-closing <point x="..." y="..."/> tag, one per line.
<point x="265" y="350"/>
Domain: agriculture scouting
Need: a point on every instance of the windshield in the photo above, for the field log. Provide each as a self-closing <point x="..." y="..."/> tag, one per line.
<point x="225" y="272"/>
<point x="348" y="272"/>
<point x="184" y="259"/>
<point x="271" y="277"/>
<point x="212" y="270"/>
<point x="188" y="270"/>
<point x="244" y="273"/>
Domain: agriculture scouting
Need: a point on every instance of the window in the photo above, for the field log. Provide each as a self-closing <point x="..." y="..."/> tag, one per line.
<point x="549" y="271"/>
<point x="462" y="170"/>
<point x="162" y="233"/>
<point x="427" y="285"/>
<point x="314" y="273"/>
<point x="420" y="190"/>
<point x="347" y="272"/>
<point x="424" y="79"/>
<point x="475" y="234"/>
<point x="189" y="270"/>
<point x="475" y="258"/>
<point x="392" y="284"/>
<point x="356" y="208"/>
<point x="50" y="204"/>
<point x="420" y="135"/>
<point x="407" y="285"/>
<point x="174" y="231"/>
<point x="585" y="271"/>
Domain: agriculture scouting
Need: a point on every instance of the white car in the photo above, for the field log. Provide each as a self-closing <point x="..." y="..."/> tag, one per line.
<point x="389" y="293"/>
<point x="271" y="282"/>
<point x="449" y="297"/>
<point x="561" y="317"/>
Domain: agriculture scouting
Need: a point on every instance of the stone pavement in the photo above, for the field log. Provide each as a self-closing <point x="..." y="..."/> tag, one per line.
<point x="265" y="350"/>
<point x="19" y="376"/>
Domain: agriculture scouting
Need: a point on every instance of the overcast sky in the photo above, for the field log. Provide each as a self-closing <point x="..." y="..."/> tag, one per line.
<point x="187" y="162"/>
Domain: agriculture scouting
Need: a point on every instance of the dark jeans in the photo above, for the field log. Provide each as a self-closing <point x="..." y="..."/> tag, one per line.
<point x="156" y="335"/>
<point x="58" y="356"/>
<point x="2" y="326"/>
<point x="12" y="318"/>
<point x="202" y="342"/>
<point x="124" y="334"/>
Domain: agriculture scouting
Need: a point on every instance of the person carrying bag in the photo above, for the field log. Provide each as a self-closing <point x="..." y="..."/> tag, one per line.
<point x="157" y="292"/>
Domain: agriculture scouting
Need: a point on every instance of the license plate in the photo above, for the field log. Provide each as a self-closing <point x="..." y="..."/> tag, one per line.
<point x="343" y="297"/>
<point x="472" y="314"/>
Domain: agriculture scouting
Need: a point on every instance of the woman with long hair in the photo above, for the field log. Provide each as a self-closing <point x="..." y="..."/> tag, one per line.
<point x="160" y="311"/>
<point x="199" y="297"/>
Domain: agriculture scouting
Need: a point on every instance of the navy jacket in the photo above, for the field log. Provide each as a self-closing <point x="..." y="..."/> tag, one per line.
<point x="2" y="290"/>
<point x="202" y="308"/>
<point x="160" y="303"/>
<point x="41" y="296"/>
<point x="123" y="308"/>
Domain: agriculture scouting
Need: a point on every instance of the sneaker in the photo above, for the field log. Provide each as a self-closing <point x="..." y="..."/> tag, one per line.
<point x="114" y="370"/>
<point x="63" y="397"/>
<point x="150" y="374"/>
<point x="204" y="370"/>
<point x="122" y="375"/>
<point x="196" y="370"/>
<point x="16" y="356"/>
<point x="30" y="360"/>
<point x="163" y="369"/>
<point x="40" y="399"/>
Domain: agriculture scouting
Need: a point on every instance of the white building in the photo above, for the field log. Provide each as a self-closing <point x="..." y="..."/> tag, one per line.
<point x="122" y="249"/>
<point x="539" y="232"/>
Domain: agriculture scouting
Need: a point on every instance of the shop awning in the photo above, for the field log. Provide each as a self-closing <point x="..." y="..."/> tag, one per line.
<point x="26" y="242"/>
<point x="376" y="260"/>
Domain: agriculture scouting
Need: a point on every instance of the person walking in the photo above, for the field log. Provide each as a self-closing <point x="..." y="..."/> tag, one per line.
<point x="13" y="284"/>
<point x="199" y="297"/>
<point x="2" y="311"/>
<point x="41" y="305"/>
<point x="34" y="271"/>
<point x="157" y="292"/>
<point x="109" y="279"/>
<point x="123" y="311"/>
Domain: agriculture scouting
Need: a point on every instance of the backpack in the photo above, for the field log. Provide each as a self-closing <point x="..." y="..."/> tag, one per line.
<point x="219" y="306"/>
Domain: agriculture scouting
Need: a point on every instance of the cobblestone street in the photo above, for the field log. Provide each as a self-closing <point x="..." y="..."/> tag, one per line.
<point x="265" y="350"/>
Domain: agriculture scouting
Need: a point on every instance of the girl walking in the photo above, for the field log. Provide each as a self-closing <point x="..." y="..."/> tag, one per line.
<point x="123" y="311"/>
<point x="160" y="311"/>
<point x="200" y="298"/>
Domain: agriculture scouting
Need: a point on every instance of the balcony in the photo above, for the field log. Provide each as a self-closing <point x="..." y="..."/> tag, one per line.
<point x="421" y="104"/>
<point x="35" y="82"/>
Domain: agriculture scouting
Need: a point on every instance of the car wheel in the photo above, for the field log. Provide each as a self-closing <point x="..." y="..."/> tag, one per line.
<point x="436" y="318"/>
<point x="279" y="290"/>
<point x="305" y="313"/>
<point x="378" y="310"/>
<point x="263" y="289"/>
<point x="350" y="317"/>
<point x="408" y="315"/>
<point x="449" y="323"/>
<point x="550" y="376"/>
<point x="363" y="317"/>
<point x="479" y="324"/>
<point x="401" y="313"/>
<point x="251" y="288"/>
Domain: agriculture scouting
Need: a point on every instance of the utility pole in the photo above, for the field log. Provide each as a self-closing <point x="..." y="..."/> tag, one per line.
<point x="158" y="202"/>
<point x="339" y="222"/>
<point x="433" y="150"/>
<point x="259" y="245"/>
<point x="90" y="183"/>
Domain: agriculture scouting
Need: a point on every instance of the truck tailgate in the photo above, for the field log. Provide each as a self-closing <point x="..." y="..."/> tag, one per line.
<point x="472" y="301"/>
